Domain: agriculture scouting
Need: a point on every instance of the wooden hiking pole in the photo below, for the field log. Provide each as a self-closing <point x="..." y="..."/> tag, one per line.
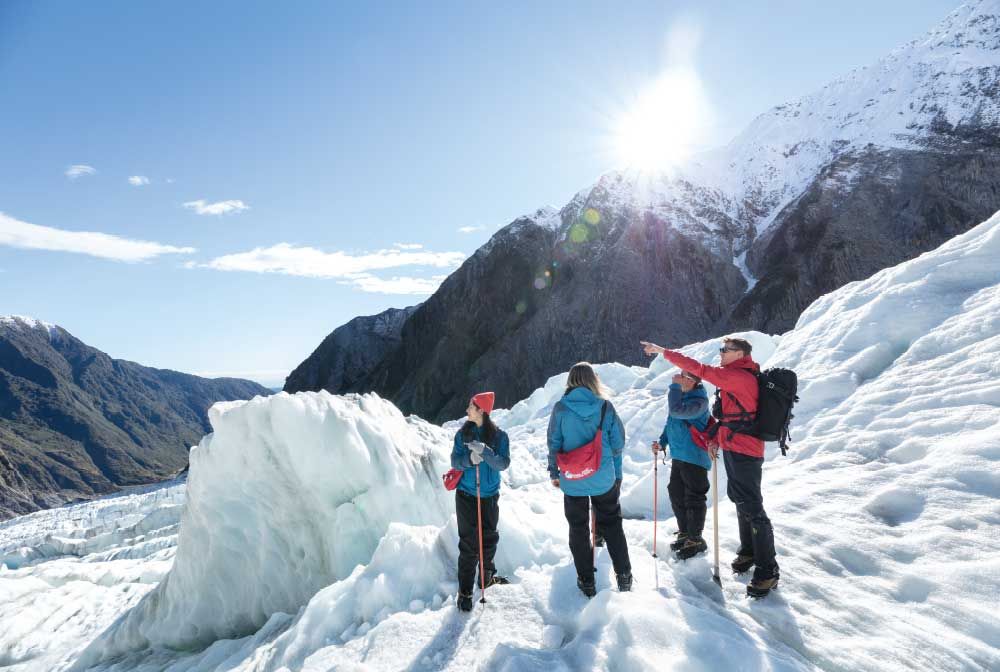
<point x="715" y="513"/>
<point x="479" y="514"/>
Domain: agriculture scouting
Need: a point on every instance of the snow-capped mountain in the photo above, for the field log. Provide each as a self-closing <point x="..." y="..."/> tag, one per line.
<point x="75" y="423"/>
<point x="878" y="166"/>
<point x="314" y="534"/>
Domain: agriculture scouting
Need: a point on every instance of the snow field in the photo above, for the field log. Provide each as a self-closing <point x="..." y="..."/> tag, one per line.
<point x="297" y="551"/>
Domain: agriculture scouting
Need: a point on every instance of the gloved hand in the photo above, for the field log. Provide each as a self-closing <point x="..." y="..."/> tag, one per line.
<point x="476" y="447"/>
<point x="475" y="458"/>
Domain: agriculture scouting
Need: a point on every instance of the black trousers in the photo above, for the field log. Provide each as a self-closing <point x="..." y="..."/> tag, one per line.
<point x="609" y="525"/>
<point x="468" y="538"/>
<point x="756" y="533"/>
<point x="688" y="487"/>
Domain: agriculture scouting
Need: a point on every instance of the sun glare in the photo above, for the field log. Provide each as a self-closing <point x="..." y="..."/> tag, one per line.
<point x="663" y="125"/>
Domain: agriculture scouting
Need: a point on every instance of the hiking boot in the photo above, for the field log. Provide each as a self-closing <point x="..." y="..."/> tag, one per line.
<point x="761" y="587"/>
<point x="624" y="582"/>
<point x="588" y="588"/>
<point x="692" y="547"/>
<point x="464" y="602"/>
<point x="677" y="543"/>
<point x="494" y="579"/>
<point x="742" y="563"/>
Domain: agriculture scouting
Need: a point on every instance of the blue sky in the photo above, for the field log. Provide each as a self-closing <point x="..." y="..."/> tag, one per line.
<point x="334" y="138"/>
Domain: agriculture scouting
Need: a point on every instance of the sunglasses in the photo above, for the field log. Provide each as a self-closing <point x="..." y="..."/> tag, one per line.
<point x="729" y="349"/>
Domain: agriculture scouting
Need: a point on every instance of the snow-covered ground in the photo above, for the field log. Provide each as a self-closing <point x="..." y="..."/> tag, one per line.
<point x="314" y="534"/>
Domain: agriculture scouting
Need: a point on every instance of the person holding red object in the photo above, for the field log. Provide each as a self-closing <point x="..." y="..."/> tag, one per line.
<point x="743" y="453"/>
<point x="481" y="451"/>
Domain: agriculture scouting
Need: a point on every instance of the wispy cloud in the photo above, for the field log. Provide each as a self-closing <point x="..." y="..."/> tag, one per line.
<point x="348" y="268"/>
<point x="408" y="246"/>
<point x="138" y="180"/>
<point x="16" y="233"/>
<point x="397" y="285"/>
<point x="470" y="229"/>
<point x="203" y="207"/>
<point x="310" y="262"/>
<point x="80" y="170"/>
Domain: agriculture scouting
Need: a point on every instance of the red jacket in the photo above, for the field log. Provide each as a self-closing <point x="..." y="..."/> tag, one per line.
<point x="736" y="378"/>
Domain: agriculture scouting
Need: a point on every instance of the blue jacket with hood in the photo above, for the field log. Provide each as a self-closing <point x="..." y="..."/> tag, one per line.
<point x="496" y="458"/>
<point x="573" y="424"/>
<point x="686" y="409"/>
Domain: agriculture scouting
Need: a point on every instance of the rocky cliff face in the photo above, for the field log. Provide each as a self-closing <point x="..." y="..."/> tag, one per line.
<point x="350" y="353"/>
<point x="875" y="168"/>
<point x="75" y="423"/>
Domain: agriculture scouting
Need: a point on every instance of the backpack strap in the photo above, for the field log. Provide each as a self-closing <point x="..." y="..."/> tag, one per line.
<point x="604" y="408"/>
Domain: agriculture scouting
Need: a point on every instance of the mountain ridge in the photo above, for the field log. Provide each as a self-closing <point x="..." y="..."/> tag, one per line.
<point x="76" y="423"/>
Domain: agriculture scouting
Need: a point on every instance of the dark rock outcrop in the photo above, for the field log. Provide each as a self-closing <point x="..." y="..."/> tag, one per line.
<point x="348" y="355"/>
<point x="863" y="213"/>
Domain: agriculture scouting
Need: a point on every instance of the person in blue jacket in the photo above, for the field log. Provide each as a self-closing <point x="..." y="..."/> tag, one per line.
<point x="479" y="443"/>
<point x="689" y="464"/>
<point x="574" y="423"/>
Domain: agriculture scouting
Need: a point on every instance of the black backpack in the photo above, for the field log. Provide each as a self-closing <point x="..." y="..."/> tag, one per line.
<point x="777" y="393"/>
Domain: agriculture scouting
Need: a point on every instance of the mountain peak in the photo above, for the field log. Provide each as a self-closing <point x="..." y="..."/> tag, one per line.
<point x="23" y="321"/>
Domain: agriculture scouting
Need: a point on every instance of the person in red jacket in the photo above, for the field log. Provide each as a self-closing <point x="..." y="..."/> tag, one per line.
<point x="742" y="454"/>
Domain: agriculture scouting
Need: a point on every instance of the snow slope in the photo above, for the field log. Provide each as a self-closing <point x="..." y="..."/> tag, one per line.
<point x="886" y="515"/>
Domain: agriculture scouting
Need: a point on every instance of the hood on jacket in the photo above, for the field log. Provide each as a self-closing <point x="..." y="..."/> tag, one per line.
<point x="584" y="403"/>
<point x="744" y="363"/>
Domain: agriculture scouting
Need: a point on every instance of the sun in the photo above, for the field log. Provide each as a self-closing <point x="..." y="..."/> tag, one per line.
<point x="664" y="123"/>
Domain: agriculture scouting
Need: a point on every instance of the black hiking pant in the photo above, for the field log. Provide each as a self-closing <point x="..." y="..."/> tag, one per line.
<point x="468" y="538"/>
<point x="688" y="487"/>
<point x="756" y="533"/>
<point x="609" y="526"/>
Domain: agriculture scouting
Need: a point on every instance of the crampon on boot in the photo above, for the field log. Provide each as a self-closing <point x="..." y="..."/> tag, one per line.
<point x="624" y="582"/>
<point x="691" y="547"/>
<point x="742" y="563"/>
<point x="762" y="587"/>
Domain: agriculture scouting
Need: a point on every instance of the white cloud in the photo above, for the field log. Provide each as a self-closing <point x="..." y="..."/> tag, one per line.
<point x="310" y="262"/>
<point x="138" y="180"/>
<point x="16" y="233"/>
<point x="470" y="229"/>
<point x="79" y="170"/>
<point x="169" y="180"/>
<point x="350" y="269"/>
<point x="202" y="207"/>
<point x="409" y="246"/>
<point x="396" y="285"/>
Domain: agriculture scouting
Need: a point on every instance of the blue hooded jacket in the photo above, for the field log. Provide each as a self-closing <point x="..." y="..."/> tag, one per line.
<point x="495" y="460"/>
<point x="573" y="424"/>
<point x="686" y="409"/>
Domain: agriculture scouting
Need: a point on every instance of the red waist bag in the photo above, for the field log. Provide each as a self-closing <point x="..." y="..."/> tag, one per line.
<point x="451" y="478"/>
<point x="583" y="462"/>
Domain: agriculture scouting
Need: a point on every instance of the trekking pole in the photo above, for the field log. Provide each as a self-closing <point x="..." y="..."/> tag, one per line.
<point x="656" y="484"/>
<point x="479" y="527"/>
<point x="715" y="515"/>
